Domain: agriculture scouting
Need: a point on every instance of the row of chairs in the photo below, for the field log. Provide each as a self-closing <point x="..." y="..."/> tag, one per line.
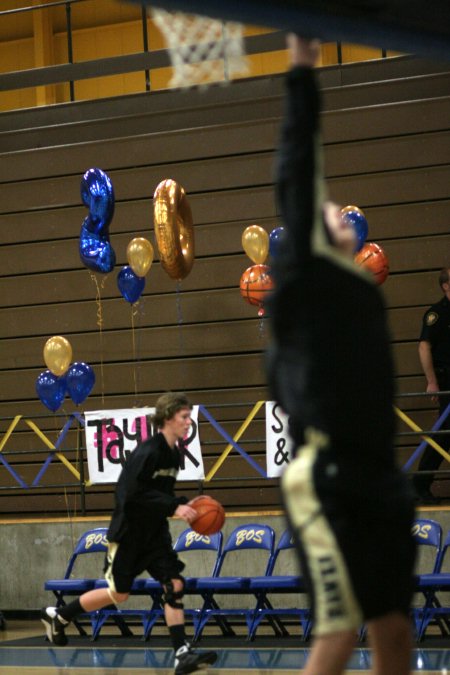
<point x="255" y="540"/>
<point x="225" y="597"/>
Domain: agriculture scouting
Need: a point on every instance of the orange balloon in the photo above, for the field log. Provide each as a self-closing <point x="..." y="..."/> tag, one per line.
<point x="374" y="259"/>
<point x="256" y="282"/>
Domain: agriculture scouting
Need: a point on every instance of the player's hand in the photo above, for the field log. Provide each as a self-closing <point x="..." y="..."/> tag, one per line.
<point x="187" y="513"/>
<point x="431" y="389"/>
<point x="303" y="52"/>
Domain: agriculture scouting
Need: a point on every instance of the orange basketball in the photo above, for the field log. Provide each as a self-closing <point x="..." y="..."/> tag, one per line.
<point x="256" y="283"/>
<point x="374" y="259"/>
<point x="211" y="515"/>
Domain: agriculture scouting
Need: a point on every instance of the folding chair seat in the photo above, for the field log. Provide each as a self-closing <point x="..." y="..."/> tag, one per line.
<point x="278" y="584"/>
<point x="437" y="607"/>
<point x="207" y="550"/>
<point x="427" y="534"/>
<point x="248" y="547"/>
<point x="90" y="542"/>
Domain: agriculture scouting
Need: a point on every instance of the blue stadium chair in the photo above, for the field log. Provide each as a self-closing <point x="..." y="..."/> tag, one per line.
<point x="90" y="542"/>
<point x="279" y="584"/>
<point x="210" y="547"/>
<point x="254" y="538"/>
<point x="427" y="534"/>
<point x="437" y="608"/>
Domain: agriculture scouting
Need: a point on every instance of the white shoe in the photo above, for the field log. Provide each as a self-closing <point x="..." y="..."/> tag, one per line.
<point x="189" y="661"/>
<point x="54" y="627"/>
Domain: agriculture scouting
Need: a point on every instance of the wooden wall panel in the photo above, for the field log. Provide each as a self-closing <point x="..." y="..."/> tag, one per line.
<point x="387" y="148"/>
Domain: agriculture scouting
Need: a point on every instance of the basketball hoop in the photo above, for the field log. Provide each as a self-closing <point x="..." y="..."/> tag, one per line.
<point x="202" y="50"/>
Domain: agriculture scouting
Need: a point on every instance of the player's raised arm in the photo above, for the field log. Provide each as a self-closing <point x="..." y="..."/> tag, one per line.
<point x="296" y="161"/>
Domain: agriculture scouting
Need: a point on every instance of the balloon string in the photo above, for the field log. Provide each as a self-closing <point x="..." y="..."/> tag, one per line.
<point x="262" y="327"/>
<point x="140" y="313"/>
<point x="98" y="300"/>
<point x="133" y="340"/>
<point x="69" y="517"/>
<point x="181" y="342"/>
<point x="55" y="422"/>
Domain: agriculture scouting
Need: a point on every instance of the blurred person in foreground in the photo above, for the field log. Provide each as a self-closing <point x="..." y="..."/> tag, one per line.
<point x="329" y="366"/>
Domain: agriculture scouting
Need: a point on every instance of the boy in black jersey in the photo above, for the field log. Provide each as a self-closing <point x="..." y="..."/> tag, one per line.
<point x="329" y="367"/>
<point x="139" y="537"/>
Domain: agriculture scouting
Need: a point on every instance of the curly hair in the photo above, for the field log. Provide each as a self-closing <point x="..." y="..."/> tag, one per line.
<point x="167" y="406"/>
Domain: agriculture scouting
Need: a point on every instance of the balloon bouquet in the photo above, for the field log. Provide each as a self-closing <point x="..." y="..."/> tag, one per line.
<point x="174" y="237"/>
<point x="131" y="278"/>
<point x="62" y="377"/>
<point x="368" y="255"/>
<point x="256" y="282"/>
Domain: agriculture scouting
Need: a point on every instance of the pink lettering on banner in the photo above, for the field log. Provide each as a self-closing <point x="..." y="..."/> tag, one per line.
<point x="144" y="428"/>
<point x="115" y="438"/>
<point x="107" y="437"/>
<point x="111" y="435"/>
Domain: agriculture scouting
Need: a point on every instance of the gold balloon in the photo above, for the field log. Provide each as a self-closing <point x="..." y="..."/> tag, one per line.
<point x="140" y="255"/>
<point x="57" y="354"/>
<point x="351" y="207"/>
<point x="174" y="228"/>
<point x="255" y="242"/>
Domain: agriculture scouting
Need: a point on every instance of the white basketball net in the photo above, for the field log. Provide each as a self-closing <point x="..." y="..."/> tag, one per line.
<point x="202" y="50"/>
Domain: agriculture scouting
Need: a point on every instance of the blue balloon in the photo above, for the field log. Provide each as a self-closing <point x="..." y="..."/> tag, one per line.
<point x="51" y="389"/>
<point x="130" y="285"/>
<point x="97" y="193"/>
<point x="360" y="226"/>
<point x="80" y="381"/>
<point x="96" y="253"/>
<point x="275" y="239"/>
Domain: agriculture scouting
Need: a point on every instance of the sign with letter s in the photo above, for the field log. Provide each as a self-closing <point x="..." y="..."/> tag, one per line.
<point x="279" y="444"/>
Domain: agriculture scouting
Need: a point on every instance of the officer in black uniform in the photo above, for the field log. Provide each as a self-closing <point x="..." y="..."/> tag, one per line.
<point x="434" y="354"/>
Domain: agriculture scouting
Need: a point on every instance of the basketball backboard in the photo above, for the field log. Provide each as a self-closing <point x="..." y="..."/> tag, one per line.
<point x="410" y="26"/>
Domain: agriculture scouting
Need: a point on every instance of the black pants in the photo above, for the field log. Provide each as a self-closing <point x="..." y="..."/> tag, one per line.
<point x="431" y="460"/>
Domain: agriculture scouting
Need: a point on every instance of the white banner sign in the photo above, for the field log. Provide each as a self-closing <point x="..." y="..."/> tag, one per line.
<point x="112" y="434"/>
<point x="278" y="442"/>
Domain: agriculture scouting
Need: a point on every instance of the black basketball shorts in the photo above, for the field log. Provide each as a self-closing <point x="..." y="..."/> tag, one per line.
<point x="353" y="536"/>
<point x="126" y="559"/>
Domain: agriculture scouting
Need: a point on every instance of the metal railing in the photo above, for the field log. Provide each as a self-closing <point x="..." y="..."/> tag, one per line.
<point x="144" y="61"/>
<point x="76" y="467"/>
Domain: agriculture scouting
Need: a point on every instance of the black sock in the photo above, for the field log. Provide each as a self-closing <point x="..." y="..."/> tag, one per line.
<point x="177" y="635"/>
<point x="70" y="611"/>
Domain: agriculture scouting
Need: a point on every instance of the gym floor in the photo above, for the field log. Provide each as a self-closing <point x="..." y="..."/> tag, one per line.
<point x="24" y="650"/>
